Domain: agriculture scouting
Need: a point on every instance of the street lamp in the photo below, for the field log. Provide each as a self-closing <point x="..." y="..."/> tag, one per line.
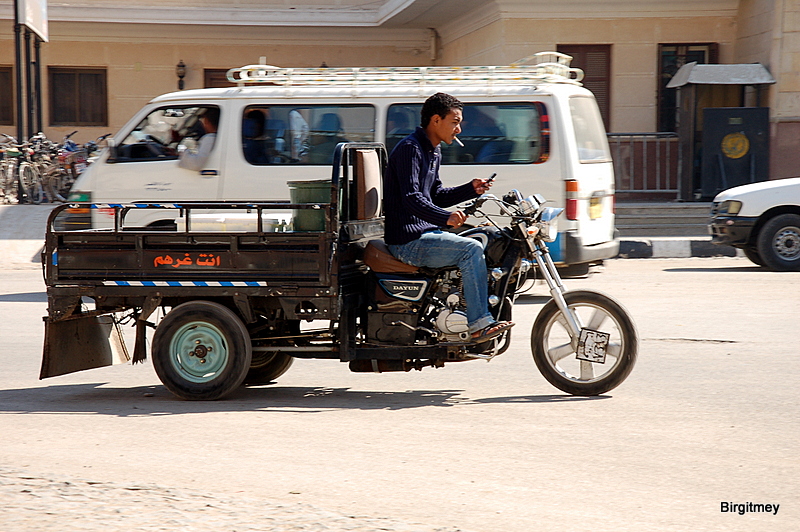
<point x="180" y="70"/>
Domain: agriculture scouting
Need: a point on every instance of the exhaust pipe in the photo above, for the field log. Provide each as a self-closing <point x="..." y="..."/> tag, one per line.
<point x="385" y="366"/>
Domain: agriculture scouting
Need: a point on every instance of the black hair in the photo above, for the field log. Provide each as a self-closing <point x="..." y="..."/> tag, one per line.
<point x="212" y="114"/>
<point x="439" y="104"/>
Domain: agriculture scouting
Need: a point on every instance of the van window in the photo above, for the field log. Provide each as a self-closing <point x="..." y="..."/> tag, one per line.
<point x="157" y="136"/>
<point x="510" y="133"/>
<point x="590" y="134"/>
<point x="289" y="134"/>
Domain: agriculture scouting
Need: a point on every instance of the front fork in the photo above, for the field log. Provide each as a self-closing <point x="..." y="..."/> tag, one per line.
<point x="550" y="274"/>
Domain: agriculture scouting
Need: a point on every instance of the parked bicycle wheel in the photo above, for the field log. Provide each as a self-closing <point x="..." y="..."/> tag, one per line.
<point x="3" y="180"/>
<point x="10" y="165"/>
<point x="30" y="183"/>
<point x="54" y="183"/>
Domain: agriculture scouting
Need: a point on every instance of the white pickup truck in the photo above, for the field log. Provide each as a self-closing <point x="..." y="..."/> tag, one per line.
<point x="763" y="219"/>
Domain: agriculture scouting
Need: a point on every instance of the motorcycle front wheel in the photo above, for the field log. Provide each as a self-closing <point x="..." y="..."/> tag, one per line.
<point x="556" y="352"/>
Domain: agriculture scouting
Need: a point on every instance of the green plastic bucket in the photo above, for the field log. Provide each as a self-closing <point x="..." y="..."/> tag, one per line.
<point x="317" y="191"/>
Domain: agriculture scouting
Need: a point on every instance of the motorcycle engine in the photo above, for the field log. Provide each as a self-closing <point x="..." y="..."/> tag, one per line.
<point x="451" y="321"/>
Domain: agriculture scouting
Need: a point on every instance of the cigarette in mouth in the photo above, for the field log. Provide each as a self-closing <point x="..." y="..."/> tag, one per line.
<point x="458" y="142"/>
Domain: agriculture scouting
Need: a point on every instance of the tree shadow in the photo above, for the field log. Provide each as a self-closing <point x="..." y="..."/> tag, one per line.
<point x="155" y="400"/>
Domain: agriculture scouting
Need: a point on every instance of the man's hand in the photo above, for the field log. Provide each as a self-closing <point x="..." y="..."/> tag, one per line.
<point x="457" y="219"/>
<point x="481" y="185"/>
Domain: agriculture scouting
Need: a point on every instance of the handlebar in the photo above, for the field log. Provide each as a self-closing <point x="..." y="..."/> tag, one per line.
<point x="473" y="207"/>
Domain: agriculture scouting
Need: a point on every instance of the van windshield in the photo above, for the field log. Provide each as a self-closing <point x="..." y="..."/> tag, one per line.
<point x="590" y="133"/>
<point x="156" y="136"/>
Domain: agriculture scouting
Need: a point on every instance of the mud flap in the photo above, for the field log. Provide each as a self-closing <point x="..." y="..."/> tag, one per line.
<point x="81" y="343"/>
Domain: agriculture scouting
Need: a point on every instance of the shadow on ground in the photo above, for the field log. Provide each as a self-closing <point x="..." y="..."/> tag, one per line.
<point x="97" y="398"/>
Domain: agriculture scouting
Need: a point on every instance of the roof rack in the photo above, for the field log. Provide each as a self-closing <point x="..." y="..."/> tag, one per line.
<point x="543" y="67"/>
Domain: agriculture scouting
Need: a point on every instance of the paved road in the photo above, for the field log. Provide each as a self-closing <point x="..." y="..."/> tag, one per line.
<point x="708" y="416"/>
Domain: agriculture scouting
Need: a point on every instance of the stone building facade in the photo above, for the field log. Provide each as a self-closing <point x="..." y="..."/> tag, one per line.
<point x="628" y="48"/>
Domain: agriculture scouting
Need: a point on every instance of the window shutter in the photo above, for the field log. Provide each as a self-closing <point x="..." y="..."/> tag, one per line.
<point x="595" y="61"/>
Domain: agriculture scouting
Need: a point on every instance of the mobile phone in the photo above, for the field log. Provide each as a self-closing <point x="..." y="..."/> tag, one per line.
<point x="491" y="177"/>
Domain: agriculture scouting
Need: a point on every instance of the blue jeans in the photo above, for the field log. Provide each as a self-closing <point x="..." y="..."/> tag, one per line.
<point x="438" y="249"/>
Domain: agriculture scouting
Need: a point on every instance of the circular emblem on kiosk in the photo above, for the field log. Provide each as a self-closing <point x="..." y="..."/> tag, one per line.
<point x="735" y="145"/>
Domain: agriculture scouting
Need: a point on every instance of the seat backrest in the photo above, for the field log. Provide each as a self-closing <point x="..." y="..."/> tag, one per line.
<point x="248" y="128"/>
<point x="368" y="184"/>
<point x="329" y="124"/>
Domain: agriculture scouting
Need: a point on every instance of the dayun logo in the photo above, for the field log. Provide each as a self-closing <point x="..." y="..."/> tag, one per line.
<point x="407" y="290"/>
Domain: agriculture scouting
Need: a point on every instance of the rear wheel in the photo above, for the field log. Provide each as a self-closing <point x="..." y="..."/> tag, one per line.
<point x="201" y="351"/>
<point x="268" y="361"/>
<point x="555" y="352"/>
<point x="779" y="243"/>
<point x="267" y="366"/>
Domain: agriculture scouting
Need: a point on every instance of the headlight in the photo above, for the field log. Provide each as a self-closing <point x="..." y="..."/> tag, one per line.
<point x="529" y="205"/>
<point x="731" y="207"/>
<point x="548" y="230"/>
<point x="548" y="223"/>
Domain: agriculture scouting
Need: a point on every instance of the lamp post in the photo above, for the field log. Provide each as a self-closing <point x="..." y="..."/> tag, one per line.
<point x="180" y="71"/>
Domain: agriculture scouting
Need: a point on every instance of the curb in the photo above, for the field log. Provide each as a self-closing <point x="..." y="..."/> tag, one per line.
<point x="672" y="247"/>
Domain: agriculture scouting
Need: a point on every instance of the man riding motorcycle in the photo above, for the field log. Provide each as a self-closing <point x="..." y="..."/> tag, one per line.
<point x="414" y="209"/>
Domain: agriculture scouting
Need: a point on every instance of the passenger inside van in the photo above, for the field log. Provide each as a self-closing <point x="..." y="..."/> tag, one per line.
<point x="484" y="141"/>
<point x="195" y="159"/>
<point x="398" y="127"/>
<point x="253" y="141"/>
<point x="323" y="139"/>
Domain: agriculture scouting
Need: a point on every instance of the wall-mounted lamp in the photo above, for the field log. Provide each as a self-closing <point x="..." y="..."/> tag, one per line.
<point x="180" y="71"/>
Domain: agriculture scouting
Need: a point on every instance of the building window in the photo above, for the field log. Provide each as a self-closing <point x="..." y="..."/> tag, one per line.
<point x="214" y="78"/>
<point x="6" y="96"/>
<point x="78" y="97"/>
<point x="595" y="61"/>
<point x="671" y="57"/>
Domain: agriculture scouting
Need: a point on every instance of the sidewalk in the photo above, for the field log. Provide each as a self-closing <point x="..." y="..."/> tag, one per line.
<point x="22" y="229"/>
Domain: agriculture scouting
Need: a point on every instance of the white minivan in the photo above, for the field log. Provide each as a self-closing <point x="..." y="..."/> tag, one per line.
<point x="532" y="123"/>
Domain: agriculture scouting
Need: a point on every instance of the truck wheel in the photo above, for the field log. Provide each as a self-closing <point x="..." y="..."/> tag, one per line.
<point x="267" y="366"/>
<point x="779" y="243"/>
<point x="753" y="255"/>
<point x="201" y="351"/>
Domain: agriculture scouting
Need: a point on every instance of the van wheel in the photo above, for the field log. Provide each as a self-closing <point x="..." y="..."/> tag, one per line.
<point x="201" y="351"/>
<point x="779" y="243"/>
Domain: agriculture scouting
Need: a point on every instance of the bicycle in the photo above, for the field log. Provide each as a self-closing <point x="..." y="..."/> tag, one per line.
<point x="12" y="187"/>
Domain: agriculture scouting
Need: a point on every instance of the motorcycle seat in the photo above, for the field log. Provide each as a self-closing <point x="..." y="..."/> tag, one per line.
<point x="378" y="257"/>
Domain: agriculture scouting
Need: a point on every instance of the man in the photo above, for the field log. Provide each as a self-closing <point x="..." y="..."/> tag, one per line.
<point x="414" y="206"/>
<point x="196" y="159"/>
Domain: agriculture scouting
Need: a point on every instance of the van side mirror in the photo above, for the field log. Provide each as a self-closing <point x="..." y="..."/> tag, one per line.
<point x="111" y="144"/>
